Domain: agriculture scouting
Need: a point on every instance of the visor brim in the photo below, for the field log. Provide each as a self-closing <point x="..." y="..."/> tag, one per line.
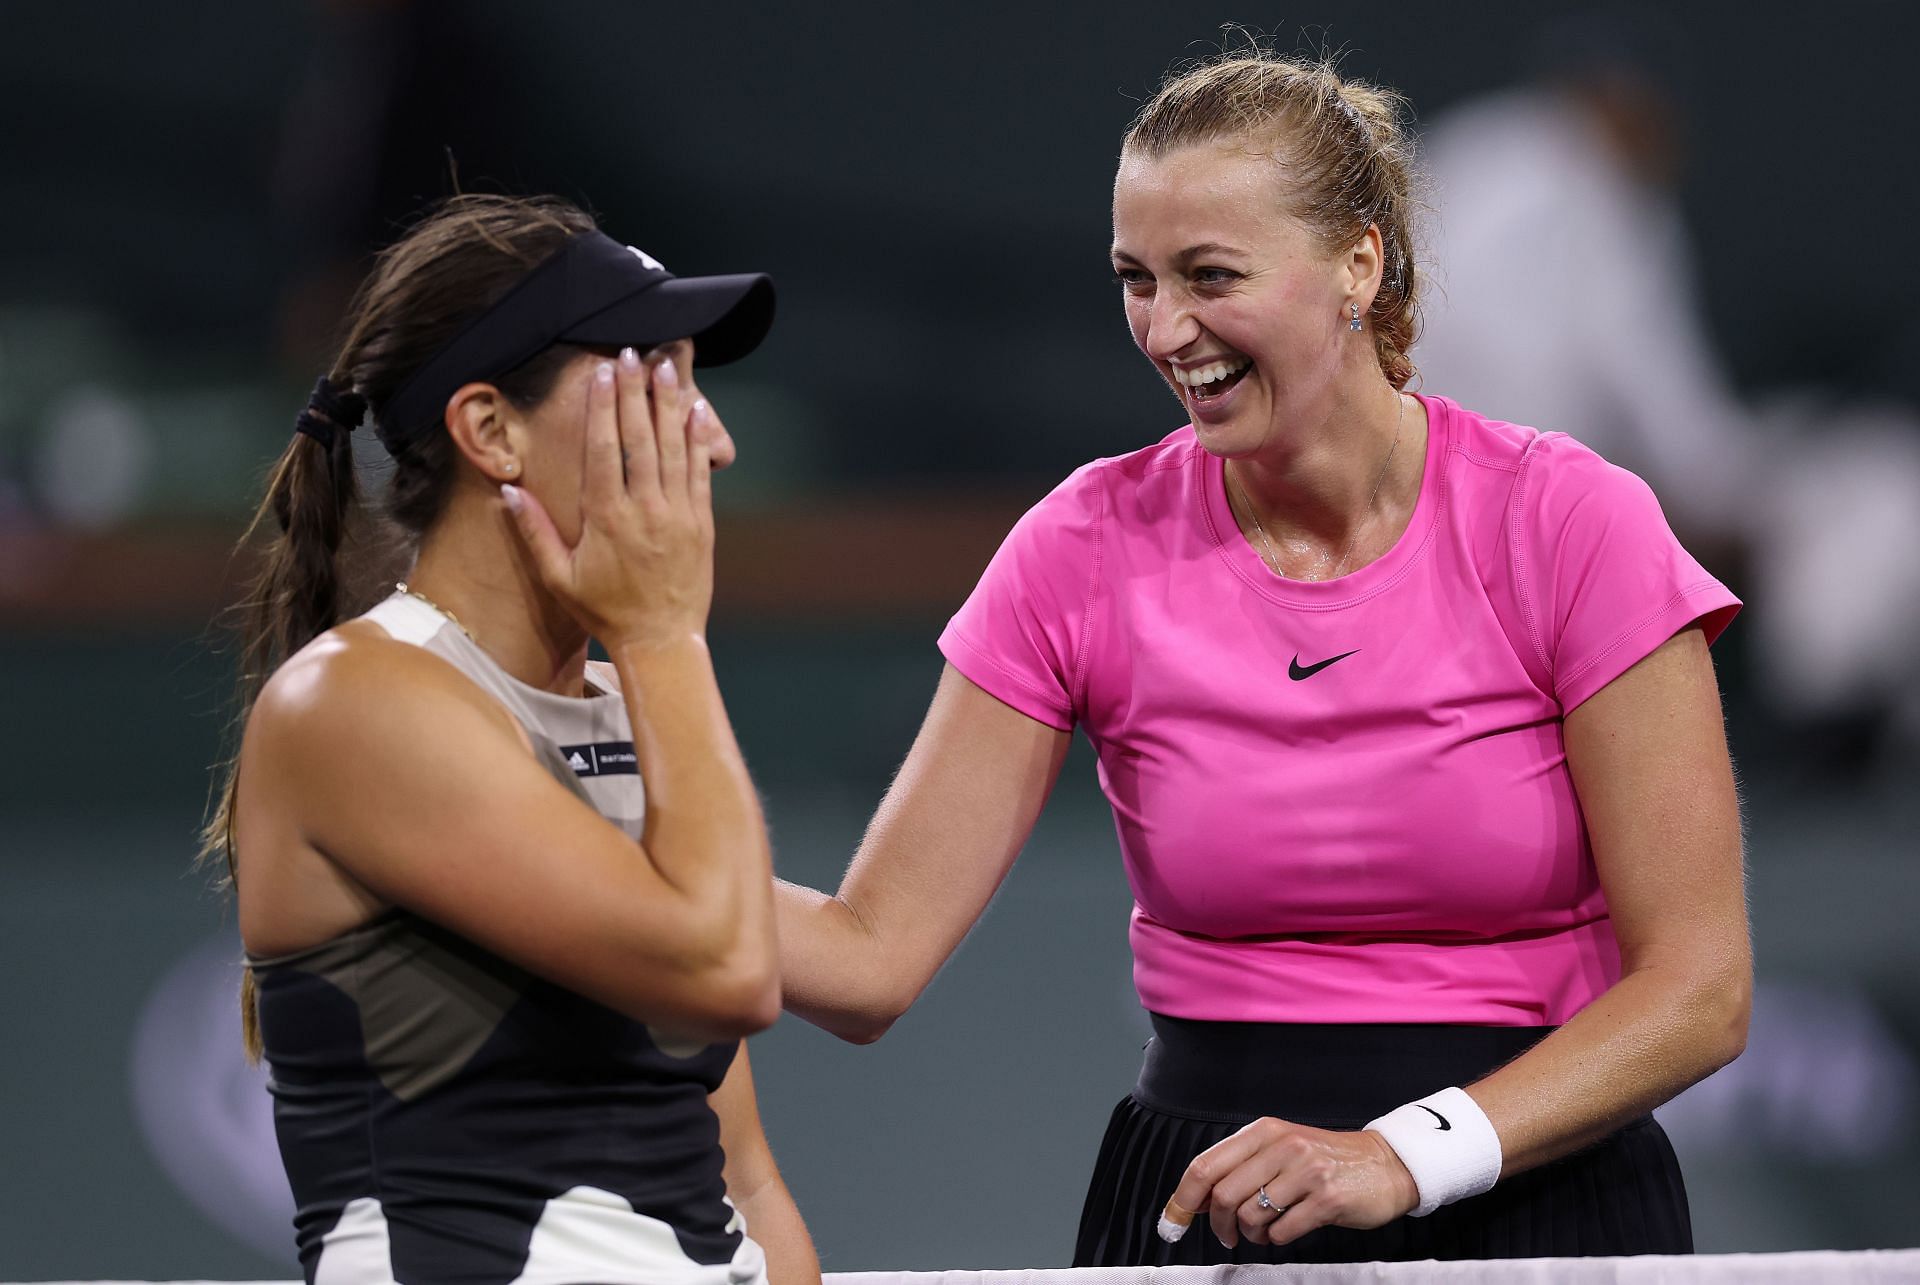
<point x="725" y="316"/>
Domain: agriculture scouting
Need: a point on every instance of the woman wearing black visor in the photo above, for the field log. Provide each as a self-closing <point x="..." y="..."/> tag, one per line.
<point x="508" y="915"/>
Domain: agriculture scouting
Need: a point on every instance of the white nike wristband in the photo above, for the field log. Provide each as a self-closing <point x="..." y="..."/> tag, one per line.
<point x="1447" y="1144"/>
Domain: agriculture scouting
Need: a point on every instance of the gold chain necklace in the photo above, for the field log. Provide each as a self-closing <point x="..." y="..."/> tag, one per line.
<point x="411" y="592"/>
<point x="1399" y="420"/>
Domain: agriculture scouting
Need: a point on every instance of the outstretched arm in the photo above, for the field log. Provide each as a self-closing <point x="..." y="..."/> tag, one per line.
<point x="940" y="844"/>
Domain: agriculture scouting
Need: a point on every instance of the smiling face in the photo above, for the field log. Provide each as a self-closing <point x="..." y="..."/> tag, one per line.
<point x="1237" y="304"/>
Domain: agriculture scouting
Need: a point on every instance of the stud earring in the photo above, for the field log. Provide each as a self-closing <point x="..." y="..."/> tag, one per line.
<point x="511" y="468"/>
<point x="1353" y="322"/>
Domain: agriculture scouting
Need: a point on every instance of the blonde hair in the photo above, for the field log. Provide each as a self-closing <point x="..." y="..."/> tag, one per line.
<point x="1348" y="157"/>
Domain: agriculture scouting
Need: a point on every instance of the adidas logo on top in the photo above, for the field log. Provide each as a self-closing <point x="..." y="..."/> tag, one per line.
<point x="601" y="758"/>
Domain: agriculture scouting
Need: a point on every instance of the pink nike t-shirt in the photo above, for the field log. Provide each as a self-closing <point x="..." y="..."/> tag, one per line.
<point x="1344" y="801"/>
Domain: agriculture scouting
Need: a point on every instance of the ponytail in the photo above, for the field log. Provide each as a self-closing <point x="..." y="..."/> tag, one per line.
<point x="313" y="497"/>
<point x="296" y="594"/>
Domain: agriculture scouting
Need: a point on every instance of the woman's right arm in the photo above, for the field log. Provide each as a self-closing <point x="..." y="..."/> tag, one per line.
<point x="940" y="844"/>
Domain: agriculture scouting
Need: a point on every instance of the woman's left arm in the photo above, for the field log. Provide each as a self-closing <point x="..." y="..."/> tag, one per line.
<point x="1648" y="754"/>
<point x="754" y="1183"/>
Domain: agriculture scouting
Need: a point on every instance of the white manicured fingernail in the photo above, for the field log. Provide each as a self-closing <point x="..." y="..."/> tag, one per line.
<point x="666" y="373"/>
<point x="630" y="359"/>
<point x="511" y="494"/>
<point x="604" y="375"/>
<point x="1171" y="1231"/>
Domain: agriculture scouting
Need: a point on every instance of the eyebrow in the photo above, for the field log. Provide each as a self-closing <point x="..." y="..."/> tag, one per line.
<point x="1189" y="254"/>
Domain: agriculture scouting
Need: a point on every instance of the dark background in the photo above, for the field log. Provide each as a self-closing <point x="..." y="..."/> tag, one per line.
<point x="189" y="188"/>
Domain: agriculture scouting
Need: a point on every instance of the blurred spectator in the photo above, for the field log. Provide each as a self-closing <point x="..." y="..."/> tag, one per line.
<point x="1567" y="300"/>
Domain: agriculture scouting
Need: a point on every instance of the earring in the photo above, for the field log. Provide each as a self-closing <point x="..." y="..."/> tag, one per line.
<point x="511" y="468"/>
<point x="1353" y="322"/>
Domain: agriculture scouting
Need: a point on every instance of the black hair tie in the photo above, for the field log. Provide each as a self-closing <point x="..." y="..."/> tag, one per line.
<point x="329" y="412"/>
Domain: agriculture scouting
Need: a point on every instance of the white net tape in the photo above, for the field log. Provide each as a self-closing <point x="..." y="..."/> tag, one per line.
<point x="1865" y="1267"/>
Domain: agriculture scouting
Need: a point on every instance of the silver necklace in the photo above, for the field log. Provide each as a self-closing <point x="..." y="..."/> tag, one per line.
<point x="1273" y="554"/>
<point x="411" y="592"/>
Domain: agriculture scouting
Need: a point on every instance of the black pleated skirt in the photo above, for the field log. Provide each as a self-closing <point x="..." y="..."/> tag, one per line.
<point x="1202" y="1081"/>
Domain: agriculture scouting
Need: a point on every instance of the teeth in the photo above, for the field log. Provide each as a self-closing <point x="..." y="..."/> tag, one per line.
<point x="1209" y="374"/>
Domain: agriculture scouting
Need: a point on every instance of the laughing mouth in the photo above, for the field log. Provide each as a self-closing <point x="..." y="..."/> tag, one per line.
<point x="1204" y="383"/>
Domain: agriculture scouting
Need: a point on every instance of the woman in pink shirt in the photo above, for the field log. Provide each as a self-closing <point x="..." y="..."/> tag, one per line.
<point x="1410" y="733"/>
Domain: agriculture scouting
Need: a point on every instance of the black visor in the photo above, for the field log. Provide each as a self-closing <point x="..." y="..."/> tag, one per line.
<point x="596" y="292"/>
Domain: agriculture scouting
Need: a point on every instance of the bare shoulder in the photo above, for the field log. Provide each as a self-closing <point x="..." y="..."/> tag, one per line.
<point x="337" y="693"/>
<point x="352" y="727"/>
<point x="333" y="740"/>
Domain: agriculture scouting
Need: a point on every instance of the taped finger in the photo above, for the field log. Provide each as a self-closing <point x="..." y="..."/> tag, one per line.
<point x="1175" y="1219"/>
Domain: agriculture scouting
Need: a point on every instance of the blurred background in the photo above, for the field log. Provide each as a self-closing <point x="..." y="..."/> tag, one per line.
<point x="1676" y="232"/>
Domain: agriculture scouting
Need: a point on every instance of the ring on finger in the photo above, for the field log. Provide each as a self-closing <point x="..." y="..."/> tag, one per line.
<point x="1261" y="1199"/>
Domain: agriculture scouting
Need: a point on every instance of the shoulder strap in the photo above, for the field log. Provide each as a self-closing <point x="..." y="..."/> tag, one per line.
<point x="407" y="619"/>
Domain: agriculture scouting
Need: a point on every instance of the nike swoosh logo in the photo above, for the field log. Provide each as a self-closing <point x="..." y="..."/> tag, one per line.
<point x="1435" y="1114"/>
<point x="1297" y="671"/>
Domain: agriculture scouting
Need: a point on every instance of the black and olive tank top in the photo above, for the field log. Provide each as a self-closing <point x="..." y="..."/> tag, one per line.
<point x="446" y="1116"/>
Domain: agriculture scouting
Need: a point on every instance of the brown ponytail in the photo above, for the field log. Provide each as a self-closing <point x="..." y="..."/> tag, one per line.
<point x="324" y="553"/>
